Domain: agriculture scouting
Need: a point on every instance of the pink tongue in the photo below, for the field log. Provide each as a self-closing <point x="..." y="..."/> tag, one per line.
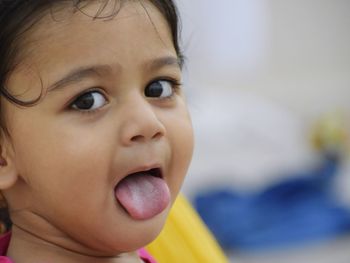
<point x="143" y="196"/>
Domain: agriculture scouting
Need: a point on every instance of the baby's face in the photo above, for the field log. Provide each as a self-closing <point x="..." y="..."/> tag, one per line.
<point x="110" y="110"/>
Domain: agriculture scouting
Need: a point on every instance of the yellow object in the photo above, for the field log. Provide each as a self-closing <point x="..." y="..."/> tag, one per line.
<point x="185" y="238"/>
<point x="331" y="133"/>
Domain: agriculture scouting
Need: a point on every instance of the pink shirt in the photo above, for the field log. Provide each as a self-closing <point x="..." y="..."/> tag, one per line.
<point x="5" y="240"/>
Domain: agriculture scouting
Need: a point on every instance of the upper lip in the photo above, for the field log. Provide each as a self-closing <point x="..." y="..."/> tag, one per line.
<point x="155" y="169"/>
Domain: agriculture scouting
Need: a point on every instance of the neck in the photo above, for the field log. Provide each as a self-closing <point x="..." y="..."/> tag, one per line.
<point x="26" y="247"/>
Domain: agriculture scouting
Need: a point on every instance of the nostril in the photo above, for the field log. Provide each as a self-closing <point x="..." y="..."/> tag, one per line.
<point x="137" y="138"/>
<point x="157" y="135"/>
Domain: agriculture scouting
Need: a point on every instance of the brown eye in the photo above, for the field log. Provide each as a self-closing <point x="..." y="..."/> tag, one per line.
<point x="89" y="101"/>
<point x="160" y="89"/>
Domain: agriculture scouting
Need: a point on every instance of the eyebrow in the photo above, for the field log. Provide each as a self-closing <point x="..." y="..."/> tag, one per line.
<point x="164" y="61"/>
<point x="80" y="73"/>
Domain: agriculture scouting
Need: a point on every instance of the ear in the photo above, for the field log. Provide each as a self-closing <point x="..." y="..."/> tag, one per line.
<point x="8" y="171"/>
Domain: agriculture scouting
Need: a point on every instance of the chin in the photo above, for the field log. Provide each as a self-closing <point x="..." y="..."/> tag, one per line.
<point x="140" y="233"/>
<point x="150" y="231"/>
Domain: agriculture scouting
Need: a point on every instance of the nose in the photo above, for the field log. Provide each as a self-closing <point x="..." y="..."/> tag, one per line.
<point x="141" y="123"/>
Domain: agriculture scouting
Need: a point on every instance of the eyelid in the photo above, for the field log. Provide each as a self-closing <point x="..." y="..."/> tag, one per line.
<point x="89" y="90"/>
<point x="176" y="83"/>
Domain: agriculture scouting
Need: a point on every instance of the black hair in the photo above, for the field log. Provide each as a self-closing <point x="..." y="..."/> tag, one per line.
<point x="17" y="17"/>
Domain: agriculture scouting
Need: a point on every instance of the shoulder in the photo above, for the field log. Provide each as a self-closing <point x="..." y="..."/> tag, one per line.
<point x="144" y="255"/>
<point x="4" y="243"/>
<point x="4" y="259"/>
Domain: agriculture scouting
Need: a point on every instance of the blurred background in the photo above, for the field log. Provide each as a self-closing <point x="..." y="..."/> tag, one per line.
<point x="268" y="85"/>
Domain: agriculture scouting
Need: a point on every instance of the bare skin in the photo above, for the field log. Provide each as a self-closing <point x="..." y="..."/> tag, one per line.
<point x="64" y="163"/>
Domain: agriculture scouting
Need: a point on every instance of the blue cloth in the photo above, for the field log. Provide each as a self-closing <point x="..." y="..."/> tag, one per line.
<point x="287" y="213"/>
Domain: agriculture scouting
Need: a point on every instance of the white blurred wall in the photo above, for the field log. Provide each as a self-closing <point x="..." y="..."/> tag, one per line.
<point x="295" y="52"/>
<point x="259" y="72"/>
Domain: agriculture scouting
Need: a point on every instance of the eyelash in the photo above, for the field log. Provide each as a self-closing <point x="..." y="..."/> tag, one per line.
<point x="91" y="90"/>
<point x="175" y="82"/>
<point x="175" y="85"/>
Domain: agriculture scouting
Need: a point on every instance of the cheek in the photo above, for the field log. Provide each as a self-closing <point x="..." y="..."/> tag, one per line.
<point x="70" y="179"/>
<point x="180" y="134"/>
<point x="58" y="160"/>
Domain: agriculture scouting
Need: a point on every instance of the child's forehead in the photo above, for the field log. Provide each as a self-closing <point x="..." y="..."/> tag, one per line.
<point x="78" y="30"/>
<point x="65" y="19"/>
<point x="77" y="40"/>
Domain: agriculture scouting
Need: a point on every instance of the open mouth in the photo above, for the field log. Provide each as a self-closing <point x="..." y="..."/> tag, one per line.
<point x="155" y="172"/>
<point x="143" y="194"/>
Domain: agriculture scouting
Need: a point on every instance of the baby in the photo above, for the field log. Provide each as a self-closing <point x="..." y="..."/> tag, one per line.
<point x="95" y="134"/>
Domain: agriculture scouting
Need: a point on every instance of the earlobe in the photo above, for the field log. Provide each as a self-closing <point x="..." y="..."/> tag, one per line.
<point x="8" y="171"/>
<point x="8" y="174"/>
